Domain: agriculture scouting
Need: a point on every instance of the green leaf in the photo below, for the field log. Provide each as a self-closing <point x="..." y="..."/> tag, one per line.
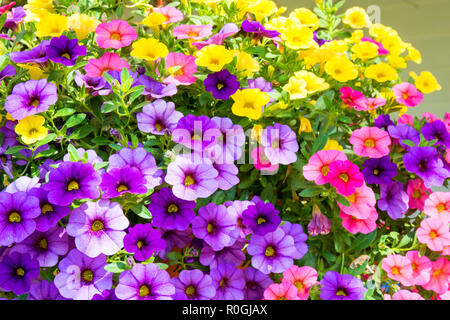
<point x="117" y="267"/>
<point x="2" y="22"/>
<point x="405" y="240"/>
<point x="74" y="120"/>
<point x="15" y="149"/>
<point x="49" y="138"/>
<point x="162" y="266"/>
<point x="343" y="200"/>
<point x="73" y="153"/>
<point x="311" y="192"/>
<point x="408" y="142"/>
<point x="320" y="142"/>
<point x="64" y="112"/>
<point x="4" y="59"/>
<point x="141" y="211"/>
<point x="100" y="141"/>
<point x="81" y="132"/>
<point x="108" y="107"/>
<point x="363" y="241"/>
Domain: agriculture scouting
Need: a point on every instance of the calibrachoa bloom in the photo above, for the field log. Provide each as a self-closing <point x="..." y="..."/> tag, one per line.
<point x="143" y="241"/>
<point x="193" y="285"/>
<point x="438" y="206"/>
<point x="417" y="193"/>
<point x="261" y="218"/>
<point x="109" y="61"/>
<point x="355" y="225"/>
<point x="393" y="199"/>
<point x="440" y="275"/>
<point x="117" y="181"/>
<point x="319" y="223"/>
<point x="281" y="291"/>
<point x="344" y="176"/>
<point x="421" y="267"/>
<point x="303" y="278"/>
<point x="228" y="282"/>
<point x="407" y="94"/>
<point x="280" y="144"/>
<point x="65" y="51"/>
<point x="337" y="286"/>
<point x="222" y="84"/>
<point x="437" y="130"/>
<point x="158" y="117"/>
<point x="370" y="142"/>
<point x="318" y="168"/>
<point x="17" y="270"/>
<point x="379" y="170"/>
<point x="181" y="68"/>
<point x="115" y="34"/>
<point x="399" y="268"/>
<point x="434" y="233"/>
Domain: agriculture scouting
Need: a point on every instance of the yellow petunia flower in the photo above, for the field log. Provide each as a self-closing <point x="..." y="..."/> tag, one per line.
<point x="296" y="88"/>
<point x="356" y="37"/>
<point x="262" y="8"/>
<point x="306" y="18"/>
<point x="31" y="129"/>
<point x="380" y="31"/>
<point x="82" y="24"/>
<point x="357" y="18"/>
<point x="305" y="125"/>
<point x="154" y="19"/>
<point x="414" y="55"/>
<point x="381" y="72"/>
<point x="280" y="24"/>
<point x="397" y="62"/>
<point x="245" y="63"/>
<point x="214" y="57"/>
<point x="333" y="145"/>
<point x="313" y="83"/>
<point x="52" y="26"/>
<point x="338" y="46"/>
<point x="149" y="49"/>
<point x="394" y="44"/>
<point x="249" y="103"/>
<point x="341" y="69"/>
<point x="41" y="4"/>
<point x="426" y="82"/>
<point x="36" y="73"/>
<point x="298" y="37"/>
<point x="365" y="51"/>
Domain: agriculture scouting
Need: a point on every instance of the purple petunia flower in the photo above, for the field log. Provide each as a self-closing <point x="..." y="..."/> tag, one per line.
<point x="425" y="162"/>
<point x="228" y="281"/>
<point x="97" y="86"/>
<point x="337" y="286"/>
<point x="174" y="238"/>
<point x="193" y="285"/>
<point x="65" y="51"/>
<point x="155" y="89"/>
<point x="70" y="181"/>
<point x="191" y="180"/>
<point x="272" y="252"/>
<point x="44" y="290"/>
<point x="7" y="71"/>
<point x="255" y="284"/>
<point x="261" y="218"/>
<point x="393" y="199"/>
<point x="170" y="212"/>
<point x="45" y="168"/>
<point x="14" y="17"/>
<point x="81" y="277"/>
<point x="261" y="84"/>
<point x="98" y="227"/>
<point x="404" y="132"/>
<point x="230" y="144"/>
<point x="46" y="247"/>
<point x="383" y="121"/>
<point x="145" y="282"/>
<point x="9" y="136"/>
<point x="158" y="117"/>
<point x="232" y="254"/>
<point x="437" y="130"/>
<point x="142" y="160"/>
<point x="216" y="226"/>
<point x="296" y="232"/>
<point x="258" y="29"/>
<point x="37" y="54"/>
<point x="227" y="175"/>
<point x="379" y="170"/>
<point x="16" y="272"/>
<point x="280" y="144"/>
<point x="221" y="84"/>
<point x="118" y="181"/>
<point x="17" y="211"/>
<point x="143" y="241"/>
<point x="31" y="97"/>
<point x="196" y="133"/>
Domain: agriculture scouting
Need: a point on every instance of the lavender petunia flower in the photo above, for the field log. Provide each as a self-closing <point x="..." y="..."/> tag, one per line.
<point x="227" y="30"/>
<point x="319" y="223"/>
<point x="16" y="272"/>
<point x="145" y="282"/>
<point x="221" y="84"/>
<point x="46" y="247"/>
<point x="383" y="121"/>
<point x="404" y="132"/>
<point x="337" y="286"/>
<point x="437" y="130"/>
<point x="37" y="54"/>
<point x="230" y="144"/>
<point x="14" y="17"/>
<point x="24" y="184"/>
<point x="7" y="71"/>
<point x="261" y="84"/>
<point x="9" y="136"/>
<point x="280" y="144"/>
<point x="158" y="117"/>
<point x="143" y="241"/>
<point x="97" y="86"/>
<point x="17" y="213"/>
<point x="98" y="227"/>
<point x="258" y="29"/>
<point x="196" y="133"/>
<point x="81" y="277"/>
<point x="31" y="97"/>
<point x="174" y="238"/>
<point x="170" y="212"/>
<point x="393" y="199"/>
<point x="425" y="162"/>
<point x="272" y="252"/>
<point x="379" y="170"/>
<point x="296" y="232"/>
<point x="193" y="285"/>
<point x="65" y="51"/>
<point x="227" y="177"/>
<point x="261" y="218"/>
<point x="191" y="180"/>
<point x="255" y="284"/>
<point x="237" y="208"/>
<point x="215" y="226"/>
<point x="118" y="181"/>
<point x="228" y="282"/>
<point x="44" y="290"/>
<point x="140" y="159"/>
<point x="156" y="89"/>
<point x="70" y="181"/>
<point x="232" y="254"/>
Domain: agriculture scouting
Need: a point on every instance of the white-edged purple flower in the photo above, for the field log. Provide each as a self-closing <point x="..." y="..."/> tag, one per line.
<point x="98" y="227"/>
<point x="280" y="144"/>
<point x="158" y="117"/>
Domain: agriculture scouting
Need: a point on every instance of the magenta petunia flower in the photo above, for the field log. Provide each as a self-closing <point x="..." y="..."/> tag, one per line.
<point x="181" y="69"/>
<point x="317" y="168"/>
<point x="109" y="61"/>
<point x="362" y="201"/>
<point x="280" y="144"/>
<point x="281" y="291"/>
<point x="158" y="117"/>
<point x="303" y="278"/>
<point x="370" y="142"/>
<point x="354" y="99"/>
<point x="192" y="32"/>
<point x="417" y="193"/>
<point x="261" y="162"/>
<point x="118" y="181"/>
<point x="31" y="97"/>
<point x="228" y="282"/>
<point x="407" y="94"/>
<point x="115" y="34"/>
<point x="145" y="282"/>
<point x="355" y="225"/>
<point x="193" y="285"/>
<point x="345" y="177"/>
<point x="98" y="227"/>
<point x="143" y="241"/>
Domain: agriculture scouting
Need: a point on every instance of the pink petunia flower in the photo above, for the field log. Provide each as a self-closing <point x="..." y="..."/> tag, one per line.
<point x="303" y="278"/>
<point x="261" y="162"/>
<point x="317" y="168"/>
<point x="227" y="30"/>
<point x="345" y="177"/>
<point x="440" y="276"/>
<point x="109" y="61"/>
<point x="192" y="32"/>
<point x="404" y="295"/>
<point x="355" y="225"/>
<point x="430" y="117"/>
<point x="281" y="291"/>
<point x="370" y="142"/>
<point x="407" y="94"/>
<point x="172" y="14"/>
<point x="398" y="268"/>
<point x="421" y="267"/>
<point x="354" y="99"/>
<point x="434" y="233"/>
<point x="181" y="68"/>
<point x="115" y="34"/>
<point x="406" y="119"/>
<point x="417" y="193"/>
<point x="362" y="201"/>
<point x="447" y="121"/>
<point x="373" y="103"/>
<point x="438" y="206"/>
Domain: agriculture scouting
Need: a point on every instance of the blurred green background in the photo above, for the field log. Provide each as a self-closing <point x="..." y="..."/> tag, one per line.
<point x="426" y="25"/>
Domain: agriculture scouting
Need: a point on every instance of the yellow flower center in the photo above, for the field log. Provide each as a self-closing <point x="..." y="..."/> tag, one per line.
<point x="344" y="177"/>
<point x="144" y="291"/>
<point x="190" y="290"/>
<point x="299" y="285"/>
<point x="97" y="226"/>
<point x="46" y="208"/>
<point x="437" y="273"/>
<point x="220" y="86"/>
<point x="43" y="244"/>
<point x="159" y="127"/>
<point x="14" y="217"/>
<point x="417" y="194"/>
<point x="140" y="244"/>
<point x="32" y="131"/>
<point x="116" y="36"/>
<point x="73" y="185"/>
<point x="210" y="228"/>
<point x="270" y="251"/>
<point x="175" y="71"/>
<point x="193" y="34"/>
<point x="369" y="143"/>
<point x="189" y="181"/>
<point x="66" y="55"/>
<point x="173" y="208"/>
<point x="87" y="275"/>
<point x="352" y="198"/>
<point x="440" y="207"/>
<point x="121" y="188"/>
<point x="35" y="102"/>
<point x="325" y="169"/>
<point x="376" y="172"/>
<point x="20" y="272"/>
<point x="433" y="234"/>
<point x="395" y="270"/>
<point x="261" y="220"/>
<point x="341" y="292"/>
